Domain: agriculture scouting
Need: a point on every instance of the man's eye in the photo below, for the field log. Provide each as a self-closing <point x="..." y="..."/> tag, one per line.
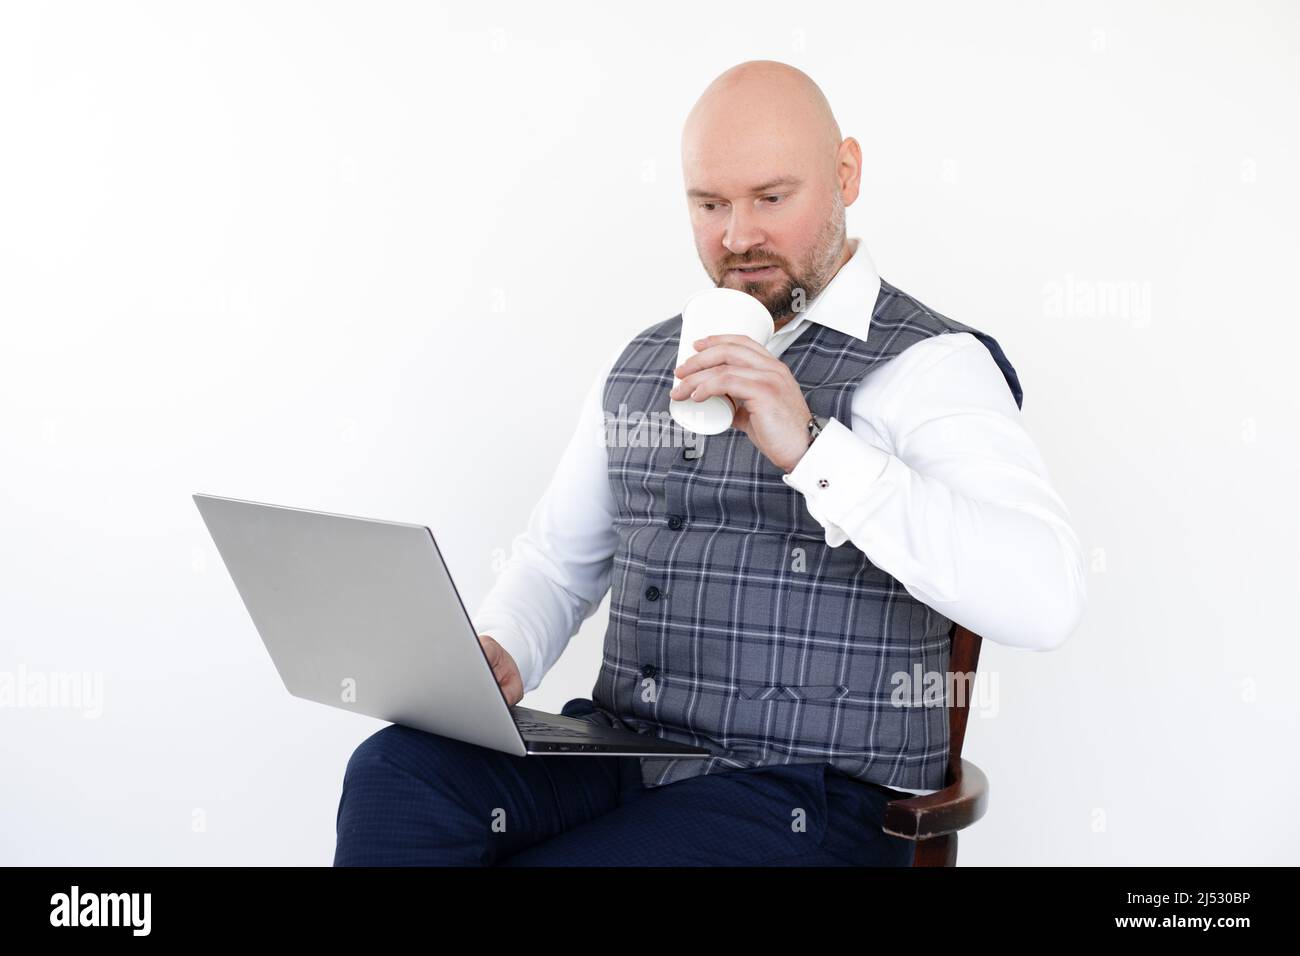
<point x="707" y="206"/>
<point x="777" y="198"/>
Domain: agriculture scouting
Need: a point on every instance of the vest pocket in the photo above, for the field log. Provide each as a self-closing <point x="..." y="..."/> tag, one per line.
<point x="791" y="691"/>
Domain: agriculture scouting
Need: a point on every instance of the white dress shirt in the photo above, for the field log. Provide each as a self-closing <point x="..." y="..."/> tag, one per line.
<point x="934" y="478"/>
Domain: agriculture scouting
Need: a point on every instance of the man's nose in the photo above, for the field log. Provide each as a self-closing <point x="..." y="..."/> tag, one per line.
<point x="742" y="231"/>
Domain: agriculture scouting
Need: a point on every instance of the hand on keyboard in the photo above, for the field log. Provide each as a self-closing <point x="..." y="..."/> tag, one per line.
<point x="504" y="669"/>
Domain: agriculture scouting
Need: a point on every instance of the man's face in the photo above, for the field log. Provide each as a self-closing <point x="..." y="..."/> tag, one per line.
<point x="790" y="224"/>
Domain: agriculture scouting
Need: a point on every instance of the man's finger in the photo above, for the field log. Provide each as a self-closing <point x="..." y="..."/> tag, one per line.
<point x="745" y="341"/>
<point x="730" y="353"/>
<point x="736" y="382"/>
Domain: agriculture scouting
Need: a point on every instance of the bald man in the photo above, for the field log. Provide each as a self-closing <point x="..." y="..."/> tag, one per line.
<point x="782" y="593"/>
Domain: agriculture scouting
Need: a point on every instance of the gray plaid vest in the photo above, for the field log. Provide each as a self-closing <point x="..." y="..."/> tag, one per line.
<point x="733" y="625"/>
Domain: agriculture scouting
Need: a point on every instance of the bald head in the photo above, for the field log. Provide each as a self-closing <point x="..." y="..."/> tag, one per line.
<point x="767" y="179"/>
<point x="765" y="103"/>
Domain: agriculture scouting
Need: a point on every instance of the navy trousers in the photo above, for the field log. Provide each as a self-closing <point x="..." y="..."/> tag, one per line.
<point x="412" y="798"/>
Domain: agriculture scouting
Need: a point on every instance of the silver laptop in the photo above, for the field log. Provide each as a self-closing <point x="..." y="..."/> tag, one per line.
<point x="363" y="615"/>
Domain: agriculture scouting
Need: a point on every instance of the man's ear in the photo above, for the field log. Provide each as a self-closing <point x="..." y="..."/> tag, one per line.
<point x="848" y="170"/>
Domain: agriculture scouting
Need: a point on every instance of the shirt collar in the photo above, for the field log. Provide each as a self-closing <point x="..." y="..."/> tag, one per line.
<point x="848" y="300"/>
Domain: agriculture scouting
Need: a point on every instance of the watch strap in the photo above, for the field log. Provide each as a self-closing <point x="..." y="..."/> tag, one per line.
<point x="816" y="425"/>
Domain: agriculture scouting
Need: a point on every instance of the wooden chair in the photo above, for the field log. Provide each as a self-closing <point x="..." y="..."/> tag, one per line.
<point x="932" y="820"/>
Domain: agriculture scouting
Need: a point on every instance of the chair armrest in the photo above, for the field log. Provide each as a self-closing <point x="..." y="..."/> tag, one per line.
<point x="953" y="808"/>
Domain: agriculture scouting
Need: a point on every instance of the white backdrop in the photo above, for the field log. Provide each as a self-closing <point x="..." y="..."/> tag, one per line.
<point x="365" y="258"/>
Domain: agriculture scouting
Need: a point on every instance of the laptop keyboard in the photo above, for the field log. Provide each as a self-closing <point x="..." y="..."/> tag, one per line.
<point x="537" y="727"/>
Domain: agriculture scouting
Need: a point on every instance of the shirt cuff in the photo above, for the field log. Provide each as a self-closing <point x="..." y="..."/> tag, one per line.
<point x="834" y="474"/>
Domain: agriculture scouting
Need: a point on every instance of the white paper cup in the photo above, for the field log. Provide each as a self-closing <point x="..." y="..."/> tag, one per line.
<point x="716" y="312"/>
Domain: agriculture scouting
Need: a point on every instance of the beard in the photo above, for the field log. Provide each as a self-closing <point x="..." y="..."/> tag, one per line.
<point x="790" y="294"/>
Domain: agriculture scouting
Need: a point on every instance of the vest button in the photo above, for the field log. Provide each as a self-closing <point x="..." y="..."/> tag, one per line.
<point x="652" y="593"/>
<point x="674" y="522"/>
<point x="649" y="670"/>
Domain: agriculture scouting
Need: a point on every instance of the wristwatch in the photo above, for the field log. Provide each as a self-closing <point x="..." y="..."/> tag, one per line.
<point x="816" y="425"/>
